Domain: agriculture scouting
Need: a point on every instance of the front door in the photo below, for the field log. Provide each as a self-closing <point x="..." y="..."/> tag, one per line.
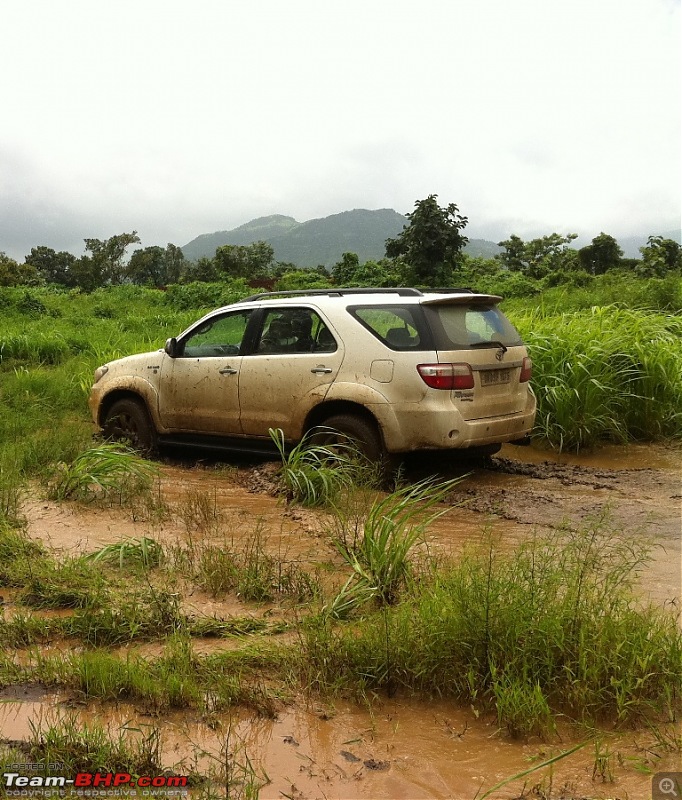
<point x="199" y="388"/>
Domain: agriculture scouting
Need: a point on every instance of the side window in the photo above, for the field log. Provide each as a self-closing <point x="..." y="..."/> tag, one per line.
<point x="459" y="326"/>
<point x="395" y="326"/>
<point x="294" y="330"/>
<point x="220" y="336"/>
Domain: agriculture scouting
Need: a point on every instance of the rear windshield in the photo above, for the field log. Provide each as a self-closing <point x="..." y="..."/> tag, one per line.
<point x="458" y="327"/>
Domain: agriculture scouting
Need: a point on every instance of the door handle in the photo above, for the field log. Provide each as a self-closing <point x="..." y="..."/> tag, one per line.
<point x="227" y="371"/>
<point x="322" y="370"/>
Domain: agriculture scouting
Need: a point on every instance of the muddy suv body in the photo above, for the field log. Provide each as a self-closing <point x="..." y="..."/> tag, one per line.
<point x="397" y="370"/>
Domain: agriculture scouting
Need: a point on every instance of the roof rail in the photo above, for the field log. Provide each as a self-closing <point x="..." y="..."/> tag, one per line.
<point x="454" y="290"/>
<point x="402" y="291"/>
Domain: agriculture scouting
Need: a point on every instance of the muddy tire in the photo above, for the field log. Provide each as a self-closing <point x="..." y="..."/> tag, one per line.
<point x="128" y="421"/>
<point x="342" y="428"/>
<point x="365" y="435"/>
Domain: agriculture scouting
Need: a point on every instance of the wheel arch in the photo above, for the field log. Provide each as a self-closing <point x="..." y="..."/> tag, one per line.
<point x="331" y="408"/>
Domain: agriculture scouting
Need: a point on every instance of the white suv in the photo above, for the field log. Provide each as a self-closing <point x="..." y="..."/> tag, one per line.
<point x="396" y="370"/>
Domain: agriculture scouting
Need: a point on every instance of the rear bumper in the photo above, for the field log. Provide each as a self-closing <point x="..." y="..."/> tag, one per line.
<point x="419" y="426"/>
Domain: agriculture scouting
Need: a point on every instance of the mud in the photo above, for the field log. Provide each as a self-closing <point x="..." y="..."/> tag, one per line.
<point x="399" y="749"/>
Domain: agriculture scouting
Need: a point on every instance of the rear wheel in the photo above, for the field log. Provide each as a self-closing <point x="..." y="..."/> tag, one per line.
<point x="128" y="421"/>
<point x="364" y="435"/>
<point x="343" y="429"/>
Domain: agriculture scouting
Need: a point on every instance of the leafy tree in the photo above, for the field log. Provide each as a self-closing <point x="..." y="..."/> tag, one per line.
<point x="659" y="257"/>
<point x="154" y="266"/>
<point x="539" y="257"/>
<point x="244" y="261"/>
<point x="105" y="264"/>
<point x="343" y="272"/>
<point x="14" y="274"/>
<point x="202" y="271"/>
<point x="174" y="263"/>
<point x="432" y="242"/>
<point x="602" y="255"/>
<point x="51" y="266"/>
<point x="513" y="256"/>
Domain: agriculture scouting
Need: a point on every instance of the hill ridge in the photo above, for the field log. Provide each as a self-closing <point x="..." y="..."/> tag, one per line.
<point x="322" y="240"/>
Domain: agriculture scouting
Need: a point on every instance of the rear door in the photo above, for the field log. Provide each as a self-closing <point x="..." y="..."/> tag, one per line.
<point x="475" y="332"/>
<point x="295" y="360"/>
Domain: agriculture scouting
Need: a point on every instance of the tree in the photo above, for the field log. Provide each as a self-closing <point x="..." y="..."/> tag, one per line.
<point x="245" y="261"/>
<point x="602" y="255"/>
<point x="203" y="270"/>
<point x="105" y="265"/>
<point x="154" y="266"/>
<point x="659" y="257"/>
<point x="52" y="267"/>
<point x="513" y="255"/>
<point x="14" y="274"/>
<point x="432" y="242"/>
<point x="538" y="257"/>
<point x="174" y="263"/>
<point x="343" y="272"/>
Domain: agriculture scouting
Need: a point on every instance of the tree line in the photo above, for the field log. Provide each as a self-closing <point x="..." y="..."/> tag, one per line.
<point x="428" y="252"/>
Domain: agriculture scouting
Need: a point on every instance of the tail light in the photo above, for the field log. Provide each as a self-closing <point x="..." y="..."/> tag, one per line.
<point x="526" y="370"/>
<point x="447" y="376"/>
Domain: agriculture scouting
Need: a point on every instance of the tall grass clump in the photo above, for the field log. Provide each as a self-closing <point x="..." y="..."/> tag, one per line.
<point x="607" y="374"/>
<point x="553" y="627"/>
<point x="87" y="747"/>
<point x="144" y="553"/>
<point x="314" y="474"/>
<point x="251" y="572"/>
<point x="379" y="552"/>
<point x="108" y="471"/>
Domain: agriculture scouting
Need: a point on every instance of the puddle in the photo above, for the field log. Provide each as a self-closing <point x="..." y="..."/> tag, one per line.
<point x="404" y="750"/>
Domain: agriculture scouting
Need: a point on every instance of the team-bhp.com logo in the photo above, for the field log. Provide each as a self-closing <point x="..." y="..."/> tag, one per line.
<point x="16" y="784"/>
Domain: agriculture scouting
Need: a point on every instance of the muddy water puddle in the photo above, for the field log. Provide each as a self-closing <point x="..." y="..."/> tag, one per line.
<point x="402" y="750"/>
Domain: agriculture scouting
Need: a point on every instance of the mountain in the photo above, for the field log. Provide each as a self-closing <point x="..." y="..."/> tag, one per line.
<point x="319" y="241"/>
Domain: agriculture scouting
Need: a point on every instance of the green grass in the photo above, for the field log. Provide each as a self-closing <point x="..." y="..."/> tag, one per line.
<point x="606" y="374"/>
<point x="552" y="628"/>
<point x="315" y="475"/>
<point x="87" y="747"/>
<point x="249" y="571"/>
<point x="379" y="555"/>
<point x="105" y="472"/>
<point x="143" y="552"/>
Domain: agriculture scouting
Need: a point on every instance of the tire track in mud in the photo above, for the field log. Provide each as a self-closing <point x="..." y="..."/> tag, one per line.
<point x="550" y="494"/>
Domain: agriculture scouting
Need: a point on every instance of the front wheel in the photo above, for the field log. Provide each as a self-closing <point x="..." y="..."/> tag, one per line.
<point x="128" y="421"/>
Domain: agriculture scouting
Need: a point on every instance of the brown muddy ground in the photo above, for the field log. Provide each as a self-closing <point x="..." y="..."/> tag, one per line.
<point x="404" y="747"/>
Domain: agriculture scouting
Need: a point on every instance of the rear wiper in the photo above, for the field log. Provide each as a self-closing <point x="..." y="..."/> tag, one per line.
<point x="492" y="343"/>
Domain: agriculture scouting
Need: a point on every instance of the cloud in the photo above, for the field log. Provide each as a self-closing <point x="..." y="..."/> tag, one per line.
<point x="175" y="119"/>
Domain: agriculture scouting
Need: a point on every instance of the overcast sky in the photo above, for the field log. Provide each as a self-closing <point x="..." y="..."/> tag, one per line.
<point x="180" y="118"/>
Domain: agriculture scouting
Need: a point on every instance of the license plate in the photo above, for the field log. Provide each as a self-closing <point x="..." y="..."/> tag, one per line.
<point x="490" y="377"/>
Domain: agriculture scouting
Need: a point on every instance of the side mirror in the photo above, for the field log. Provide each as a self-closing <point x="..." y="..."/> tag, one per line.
<point x="171" y="347"/>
